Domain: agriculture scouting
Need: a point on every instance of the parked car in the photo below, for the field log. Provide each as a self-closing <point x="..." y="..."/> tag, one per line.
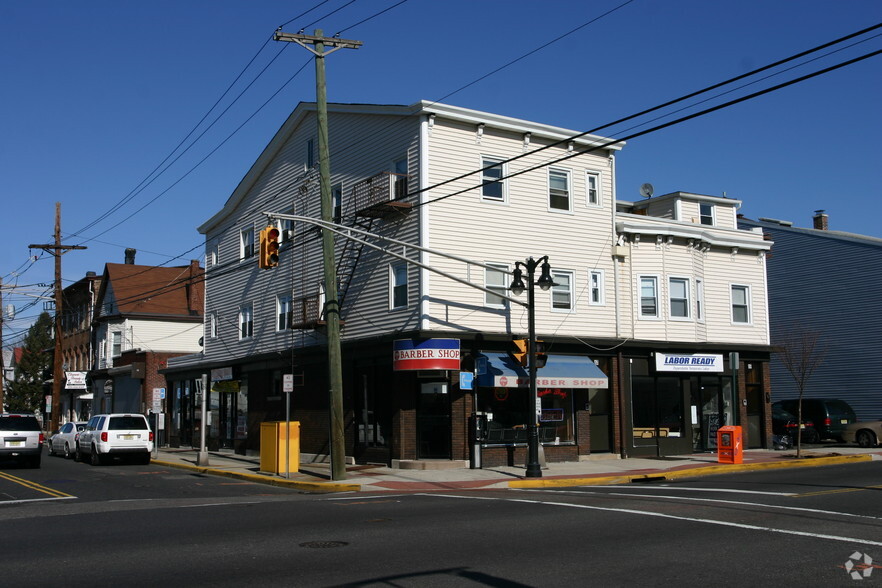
<point x="115" y="435"/>
<point x="21" y="439"/>
<point x="785" y="423"/>
<point x="65" y="440"/>
<point x="830" y="415"/>
<point x="865" y="434"/>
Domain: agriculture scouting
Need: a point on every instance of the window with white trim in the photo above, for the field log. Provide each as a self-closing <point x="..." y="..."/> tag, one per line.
<point x="398" y="285"/>
<point x="495" y="279"/>
<point x="493" y="186"/>
<point x="678" y="298"/>
<point x="310" y="153"/>
<point x="286" y="230"/>
<point x="115" y="344"/>
<point x="337" y="200"/>
<point x="592" y="188"/>
<point x="246" y="243"/>
<point x="212" y="325"/>
<point x="648" y="297"/>
<point x="246" y="321"/>
<point x="740" y="304"/>
<point x="699" y="299"/>
<point x="562" y="291"/>
<point x="559" y="190"/>
<point x="400" y="167"/>
<point x="284" y="312"/>
<point x="595" y="287"/>
<point x="706" y="213"/>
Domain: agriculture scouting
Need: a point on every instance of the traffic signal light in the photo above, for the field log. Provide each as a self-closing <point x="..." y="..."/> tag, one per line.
<point x="541" y="354"/>
<point x="269" y="248"/>
<point x="520" y="351"/>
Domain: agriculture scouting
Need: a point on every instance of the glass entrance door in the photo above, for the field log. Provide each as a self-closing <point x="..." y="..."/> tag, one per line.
<point x="433" y="425"/>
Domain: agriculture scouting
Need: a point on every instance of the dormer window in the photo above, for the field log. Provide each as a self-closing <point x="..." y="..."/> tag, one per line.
<point x="706" y="213"/>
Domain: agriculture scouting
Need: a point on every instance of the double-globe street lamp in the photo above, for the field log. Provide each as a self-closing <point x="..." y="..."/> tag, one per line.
<point x="534" y="470"/>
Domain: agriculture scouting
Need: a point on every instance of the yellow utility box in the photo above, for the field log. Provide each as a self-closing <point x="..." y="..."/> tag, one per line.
<point x="273" y="440"/>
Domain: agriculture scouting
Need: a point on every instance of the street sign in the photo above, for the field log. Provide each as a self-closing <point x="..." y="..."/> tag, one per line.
<point x="287" y="382"/>
<point x="466" y="381"/>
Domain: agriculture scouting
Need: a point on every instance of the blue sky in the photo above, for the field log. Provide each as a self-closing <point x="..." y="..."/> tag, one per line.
<point x="96" y="94"/>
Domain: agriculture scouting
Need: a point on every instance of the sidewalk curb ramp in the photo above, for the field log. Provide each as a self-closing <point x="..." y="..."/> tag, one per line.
<point x="316" y="487"/>
<point x="690" y="472"/>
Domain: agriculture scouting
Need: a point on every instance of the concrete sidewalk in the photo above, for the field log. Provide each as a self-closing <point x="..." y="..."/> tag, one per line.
<point x="438" y="475"/>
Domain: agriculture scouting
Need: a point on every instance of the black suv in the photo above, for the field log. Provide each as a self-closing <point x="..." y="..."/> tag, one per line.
<point x="829" y="415"/>
<point x="21" y="439"/>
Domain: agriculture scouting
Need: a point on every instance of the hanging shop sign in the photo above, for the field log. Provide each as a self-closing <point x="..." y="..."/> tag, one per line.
<point x="425" y="354"/>
<point x="689" y="362"/>
<point x="221" y="374"/>
<point x="75" y="380"/>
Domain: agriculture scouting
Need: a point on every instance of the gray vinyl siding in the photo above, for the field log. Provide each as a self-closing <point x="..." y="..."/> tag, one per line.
<point x="829" y="283"/>
<point x="360" y="147"/>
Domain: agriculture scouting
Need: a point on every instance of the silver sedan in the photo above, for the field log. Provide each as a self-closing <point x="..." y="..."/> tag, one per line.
<point x="64" y="442"/>
<point x="865" y="434"/>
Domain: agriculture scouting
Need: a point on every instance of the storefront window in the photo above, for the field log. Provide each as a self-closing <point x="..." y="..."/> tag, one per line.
<point x="508" y="412"/>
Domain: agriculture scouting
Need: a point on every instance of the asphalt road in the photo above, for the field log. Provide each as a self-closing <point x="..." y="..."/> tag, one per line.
<point x="146" y="525"/>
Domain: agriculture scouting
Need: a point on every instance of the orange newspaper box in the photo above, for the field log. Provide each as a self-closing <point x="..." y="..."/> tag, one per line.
<point x="729" y="446"/>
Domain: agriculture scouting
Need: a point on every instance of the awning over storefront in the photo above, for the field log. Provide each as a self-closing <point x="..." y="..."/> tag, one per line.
<point x="560" y="371"/>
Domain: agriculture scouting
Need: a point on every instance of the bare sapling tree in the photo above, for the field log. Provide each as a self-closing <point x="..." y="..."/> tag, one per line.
<point x="801" y="352"/>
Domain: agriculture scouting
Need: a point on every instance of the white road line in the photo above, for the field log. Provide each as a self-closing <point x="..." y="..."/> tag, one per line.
<point x="687" y="488"/>
<point x="4" y="502"/>
<point x="679" y="518"/>
<point x="691" y="499"/>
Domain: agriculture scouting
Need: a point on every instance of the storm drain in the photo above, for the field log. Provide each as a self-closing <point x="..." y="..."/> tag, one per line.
<point x="323" y="544"/>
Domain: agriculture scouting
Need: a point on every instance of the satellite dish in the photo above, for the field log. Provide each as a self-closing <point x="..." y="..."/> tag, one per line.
<point x="646" y="190"/>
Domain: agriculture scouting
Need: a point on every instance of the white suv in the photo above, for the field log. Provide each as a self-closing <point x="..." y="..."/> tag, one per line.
<point x="109" y="435"/>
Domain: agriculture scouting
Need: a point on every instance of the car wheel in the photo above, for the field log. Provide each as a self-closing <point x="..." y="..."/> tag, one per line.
<point x="145" y="459"/>
<point x="51" y="449"/>
<point x="34" y="462"/>
<point x="67" y="451"/>
<point x="94" y="458"/>
<point x="77" y="455"/>
<point x="865" y="439"/>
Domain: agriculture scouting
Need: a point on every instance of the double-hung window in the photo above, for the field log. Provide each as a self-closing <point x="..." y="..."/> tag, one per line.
<point x="562" y="291"/>
<point x="246" y="243"/>
<point x="116" y="344"/>
<point x="706" y="213"/>
<point x="310" y="153"/>
<point x="337" y="200"/>
<point x="246" y="321"/>
<point x="495" y="279"/>
<point x="284" y="312"/>
<point x="678" y="294"/>
<point x="740" y="304"/>
<point x="398" y="285"/>
<point x="699" y="299"/>
<point x="648" y="297"/>
<point x="595" y="286"/>
<point x="592" y="188"/>
<point x="400" y="167"/>
<point x="492" y="179"/>
<point x="559" y="190"/>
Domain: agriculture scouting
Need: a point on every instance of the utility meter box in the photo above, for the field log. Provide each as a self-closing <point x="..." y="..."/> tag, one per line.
<point x="278" y="445"/>
<point x="730" y="449"/>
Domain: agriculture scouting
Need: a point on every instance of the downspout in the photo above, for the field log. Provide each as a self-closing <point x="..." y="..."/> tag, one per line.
<point x="615" y="258"/>
<point x="423" y="238"/>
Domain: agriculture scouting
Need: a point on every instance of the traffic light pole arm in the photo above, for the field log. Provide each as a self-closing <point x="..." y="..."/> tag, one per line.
<point x="345" y="232"/>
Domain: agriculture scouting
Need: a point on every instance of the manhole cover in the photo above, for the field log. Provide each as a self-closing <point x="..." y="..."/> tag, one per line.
<point x="323" y="544"/>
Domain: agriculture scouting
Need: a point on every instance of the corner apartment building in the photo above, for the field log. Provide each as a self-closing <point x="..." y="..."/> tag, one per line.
<point x="656" y="327"/>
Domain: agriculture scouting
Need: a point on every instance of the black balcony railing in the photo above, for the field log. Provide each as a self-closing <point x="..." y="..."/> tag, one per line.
<point x="381" y="195"/>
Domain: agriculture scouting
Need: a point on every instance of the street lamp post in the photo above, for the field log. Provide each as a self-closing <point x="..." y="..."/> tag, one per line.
<point x="534" y="470"/>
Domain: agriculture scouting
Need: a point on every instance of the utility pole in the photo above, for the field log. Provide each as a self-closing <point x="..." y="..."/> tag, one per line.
<point x="56" y="249"/>
<point x="316" y="45"/>
<point x="2" y="369"/>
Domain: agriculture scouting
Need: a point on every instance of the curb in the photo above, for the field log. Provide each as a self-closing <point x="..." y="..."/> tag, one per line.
<point x="314" y="487"/>
<point x="689" y="472"/>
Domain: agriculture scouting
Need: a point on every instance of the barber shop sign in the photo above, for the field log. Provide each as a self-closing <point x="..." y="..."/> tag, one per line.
<point x="425" y="354"/>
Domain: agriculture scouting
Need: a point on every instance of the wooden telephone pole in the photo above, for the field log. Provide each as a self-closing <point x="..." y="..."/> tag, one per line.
<point x="56" y="249"/>
<point x="316" y="45"/>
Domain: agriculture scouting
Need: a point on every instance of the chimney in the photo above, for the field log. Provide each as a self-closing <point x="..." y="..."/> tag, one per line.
<point x="130" y="256"/>
<point x="820" y="220"/>
<point x="196" y="289"/>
